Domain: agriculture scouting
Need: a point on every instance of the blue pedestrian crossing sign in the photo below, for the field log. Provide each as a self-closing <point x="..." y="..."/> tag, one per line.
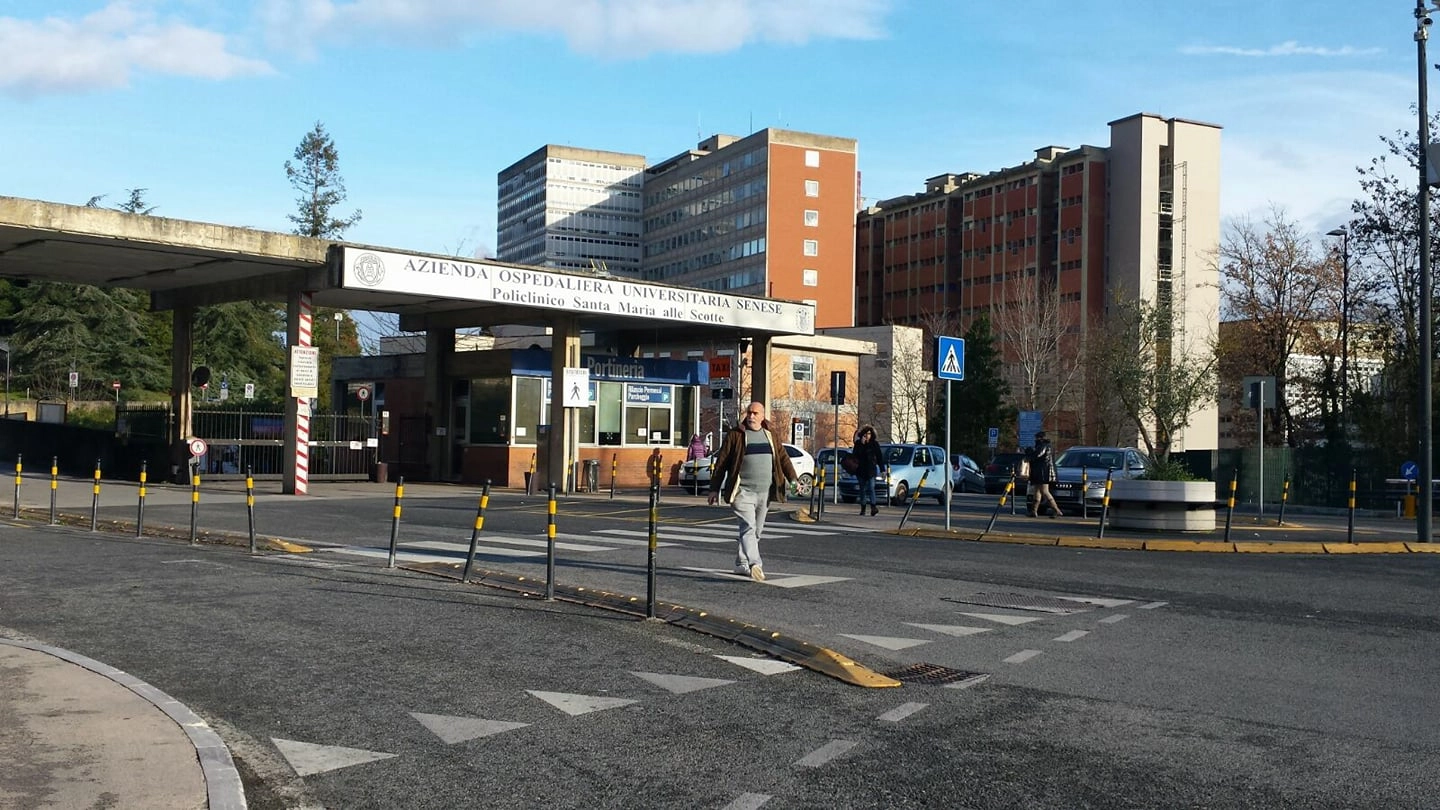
<point x="950" y="358"/>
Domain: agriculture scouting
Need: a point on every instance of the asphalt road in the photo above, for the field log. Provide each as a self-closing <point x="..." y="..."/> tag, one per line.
<point x="1102" y="678"/>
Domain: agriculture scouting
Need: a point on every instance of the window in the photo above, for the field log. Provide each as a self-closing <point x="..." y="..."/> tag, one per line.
<point x="811" y="277"/>
<point x="812" y="158"/>
<point x="812" y="219"/>
<point x="812" y="188"/>
<point x="802" y="369"/>
<point x="812" y="247"/>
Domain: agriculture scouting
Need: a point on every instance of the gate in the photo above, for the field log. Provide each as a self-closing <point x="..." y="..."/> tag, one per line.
<point x="239" y="440"/>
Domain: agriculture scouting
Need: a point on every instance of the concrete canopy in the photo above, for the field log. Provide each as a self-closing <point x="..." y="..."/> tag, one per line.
<point x="183" y="263"/>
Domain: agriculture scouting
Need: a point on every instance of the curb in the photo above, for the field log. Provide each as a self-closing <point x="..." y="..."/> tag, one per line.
<point x="800" y="653"/>
<point x="223" y="788"/>
<point x="1174" y="545"/>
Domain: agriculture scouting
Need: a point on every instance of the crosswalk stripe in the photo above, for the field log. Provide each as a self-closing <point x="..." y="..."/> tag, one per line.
<point x="505" y="540"/>
<point x="619" y="541"/>
<point x="667" y="535"/>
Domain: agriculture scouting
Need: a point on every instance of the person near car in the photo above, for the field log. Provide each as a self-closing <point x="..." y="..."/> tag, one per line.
<point x="1042" y="475"/>
<point x="697" y="450"/>
<point x="869" y="461"/>
<point x="751" y="471"/>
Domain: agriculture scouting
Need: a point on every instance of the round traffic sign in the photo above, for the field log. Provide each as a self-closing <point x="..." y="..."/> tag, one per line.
<point x="362" y="393"/>
<point x="115" y="385"/>
<point x="197" y="447"/>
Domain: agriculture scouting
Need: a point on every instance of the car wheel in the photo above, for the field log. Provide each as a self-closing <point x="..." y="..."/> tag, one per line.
<point x="902" y="492"/>
<point x="803" y="485"/>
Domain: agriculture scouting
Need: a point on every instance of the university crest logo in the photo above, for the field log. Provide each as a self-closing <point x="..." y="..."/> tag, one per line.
<point x="369" y="269"/>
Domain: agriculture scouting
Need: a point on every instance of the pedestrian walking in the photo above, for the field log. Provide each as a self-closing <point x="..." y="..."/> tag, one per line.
<point x="697" y="450"/>
<point x="868" y="462"/>
<point x="1042" y="475"/>
<point x="751" y="470"/>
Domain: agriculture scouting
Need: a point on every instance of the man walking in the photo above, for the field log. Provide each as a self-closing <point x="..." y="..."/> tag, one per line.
<point x="751" y="470"/>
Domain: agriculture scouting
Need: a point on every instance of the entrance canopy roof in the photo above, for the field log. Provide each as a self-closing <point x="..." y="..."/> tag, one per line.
<point x="186" y="263"/>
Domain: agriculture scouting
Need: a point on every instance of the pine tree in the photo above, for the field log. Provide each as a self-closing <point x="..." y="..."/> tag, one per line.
<point x="315" y="175"/>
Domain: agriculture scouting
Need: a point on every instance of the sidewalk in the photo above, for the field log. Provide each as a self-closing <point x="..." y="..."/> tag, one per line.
<point x="77" y="733"/>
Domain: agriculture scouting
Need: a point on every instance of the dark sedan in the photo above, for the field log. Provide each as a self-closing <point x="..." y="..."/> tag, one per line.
<point x="999" y="470"/>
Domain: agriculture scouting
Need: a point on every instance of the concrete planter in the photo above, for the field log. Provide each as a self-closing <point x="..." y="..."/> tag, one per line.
<point x="1176" y="506"/>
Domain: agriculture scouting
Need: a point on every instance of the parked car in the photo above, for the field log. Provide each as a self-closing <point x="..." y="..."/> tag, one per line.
<point x="1093" y="463"/>
<point x="695" y="474"/>
<point x="998" y="471"/>
<point x="908" y="464"/>
<point x="826" y="458"/>
<point x="965" y="474"/>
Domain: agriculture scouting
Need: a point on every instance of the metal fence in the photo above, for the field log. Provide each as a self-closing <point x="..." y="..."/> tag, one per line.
<point x="242" y="440"/>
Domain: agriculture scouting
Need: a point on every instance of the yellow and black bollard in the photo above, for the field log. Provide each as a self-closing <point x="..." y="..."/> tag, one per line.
<point x="915" y="496"/>
<point x="1350" y="508"/>
<point x="550" y="545"/>
<point x="475" y="532"/>
<point x="95" y="500"/>
<point x="614" y="466"/>
<point x="140" y="503"/>
<point x="250" y="503"/>
<point x="1013" y="489"/>
<point x="1004" y="496"/>
<point x="54" y="486"/>
<point x="530" y="477"/>
<point x="194" y="500"/>
<point x="820" y="504"/>
<point x="1084" y="488"/>
<point x="395" y="520"/>
<point x="18" y="468"/>
<point x="1104" y="500"/>
<point x="650" y="562"/>
<point x="1284" y="497"/>
<point x="1230" y="506"/>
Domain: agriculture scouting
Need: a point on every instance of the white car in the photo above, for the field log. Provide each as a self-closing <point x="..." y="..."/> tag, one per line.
<point x="695" y="475"/>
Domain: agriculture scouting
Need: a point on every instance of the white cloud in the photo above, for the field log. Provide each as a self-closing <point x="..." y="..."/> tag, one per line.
<point x="1287" y="48"/>
<point x="104" y="49"/>
<point x="613" y="28"/>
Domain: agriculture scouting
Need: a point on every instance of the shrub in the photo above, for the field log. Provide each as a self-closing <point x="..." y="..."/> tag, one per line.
<point x="1170" y="471"/>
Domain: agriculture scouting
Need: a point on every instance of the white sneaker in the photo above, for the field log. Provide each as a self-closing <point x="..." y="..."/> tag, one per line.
<point x="742" y="570"/>
<point x="757" y="574"/>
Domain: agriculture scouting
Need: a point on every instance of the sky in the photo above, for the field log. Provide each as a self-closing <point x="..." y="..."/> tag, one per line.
<point x="201" y="102"/>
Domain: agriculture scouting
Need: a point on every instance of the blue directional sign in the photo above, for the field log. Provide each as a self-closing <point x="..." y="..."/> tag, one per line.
<point x="1410" y="470"/>
<point x="950" y="358"/>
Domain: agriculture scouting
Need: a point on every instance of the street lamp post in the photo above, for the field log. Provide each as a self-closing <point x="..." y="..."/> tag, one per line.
<point x="339" y="316"/>
<point x="5" y="347"/>
<point x="1344" y="235"/>
<point x="1422" y="140"/>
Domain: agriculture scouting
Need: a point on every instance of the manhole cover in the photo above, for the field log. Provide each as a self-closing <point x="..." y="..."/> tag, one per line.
<point x="1022" y="601"/>
<point x="932" y="674"/>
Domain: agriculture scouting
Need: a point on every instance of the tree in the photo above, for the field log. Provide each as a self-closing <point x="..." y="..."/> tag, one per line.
<point x="1043" y="363"/>
<point x="980" y="399"/>
<point x="1274" y="282"/>
<point x="1158" y="383"/>
<point x="315" y="175"/>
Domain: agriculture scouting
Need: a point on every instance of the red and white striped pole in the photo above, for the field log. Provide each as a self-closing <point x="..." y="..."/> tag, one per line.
<point x="302" y="405"/>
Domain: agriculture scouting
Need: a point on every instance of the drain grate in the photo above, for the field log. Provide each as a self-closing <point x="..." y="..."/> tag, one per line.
<point x="1022" y="601"/>
<point x="932" y="674"/>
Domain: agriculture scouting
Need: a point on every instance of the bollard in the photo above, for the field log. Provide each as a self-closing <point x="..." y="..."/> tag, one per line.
<point x="395" y="520"/>
<point x="815" y="487"/>
<point x="550" y="546"/>
<point x="656" y="464"/>
<point x="650" y="563"/>
<point x="250" y="503"/>
<point x="1230" y="508"/>
<point x="475" y="532"/>
<point x="1350" y="526"/>
<point x="1084" y="489"/>
<point x="54" y="485"/>
<point x="530" y="477"/>
<point x="1012" y="491"/>
<point x="915" y="496"/>
<point x="194" y="500"/>
<point x="17" y="484"/>
<point x="1004" y="496"/>
<point x="140" y="505"/>
<point x="1104" y="500"/>
<point x="820" y="510"/>
<point x="1284" y="496"/>
<point x="614" y="465"/>
<point x="95" y="500"/>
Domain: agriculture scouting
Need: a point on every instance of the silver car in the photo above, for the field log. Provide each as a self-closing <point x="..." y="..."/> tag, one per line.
<point x="1087" y="467"/>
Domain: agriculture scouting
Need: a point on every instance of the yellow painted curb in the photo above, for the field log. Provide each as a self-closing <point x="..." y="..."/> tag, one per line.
<point x="1102" y="542"/>
<point x="1365" y="548"/>
<point x="1187" y="545"/>
<point x="1280" y="547"/>
<point x="1024" y="540"/>
<point x="837" y="666"/>
<point x="1424" y="548"/>
<point x="287" y="546"/>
